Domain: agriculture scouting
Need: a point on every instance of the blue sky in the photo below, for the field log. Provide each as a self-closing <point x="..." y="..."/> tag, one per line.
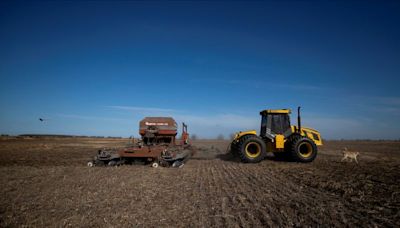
<point x="97" y="68"/>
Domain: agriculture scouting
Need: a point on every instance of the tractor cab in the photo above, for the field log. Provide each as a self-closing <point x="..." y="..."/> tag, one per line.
<point x="275" y="122"/>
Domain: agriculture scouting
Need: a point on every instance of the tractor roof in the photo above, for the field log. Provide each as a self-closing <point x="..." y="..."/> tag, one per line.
<point x="275" y="111"/>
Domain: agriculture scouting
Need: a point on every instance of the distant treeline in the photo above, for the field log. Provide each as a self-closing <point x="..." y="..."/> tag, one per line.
<point x="360" y="140"/>
<point x="193" y="137"/>
<point x="64" y="136"/>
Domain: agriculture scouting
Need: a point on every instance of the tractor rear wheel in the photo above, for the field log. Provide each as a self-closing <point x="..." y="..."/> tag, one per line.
<point x="303" y="149"/>
<point x="251" y="149"/>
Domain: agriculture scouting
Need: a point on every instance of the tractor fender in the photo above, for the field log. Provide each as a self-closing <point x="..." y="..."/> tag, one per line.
<point x="243" y="133"/>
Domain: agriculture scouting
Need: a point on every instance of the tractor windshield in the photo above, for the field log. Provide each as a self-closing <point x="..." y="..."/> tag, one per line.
<point x="280" y="123"/>
<point x="274" y="123"/>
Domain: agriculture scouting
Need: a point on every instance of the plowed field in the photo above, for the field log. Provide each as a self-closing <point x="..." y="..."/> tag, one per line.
<point x="45" y="182"/>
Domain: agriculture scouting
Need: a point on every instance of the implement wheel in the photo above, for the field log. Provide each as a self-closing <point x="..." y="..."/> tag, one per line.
<point x="251" y="149"/>
<point x="303" y="149"/>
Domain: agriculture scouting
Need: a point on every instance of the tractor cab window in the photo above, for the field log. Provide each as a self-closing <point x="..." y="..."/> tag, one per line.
<point x="264" y="121"/>
<point x="275" y="124"/>
<point x="280" y="123"/>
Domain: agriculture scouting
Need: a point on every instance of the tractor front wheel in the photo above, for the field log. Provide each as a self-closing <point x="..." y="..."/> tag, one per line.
<point x="251" y="149"/>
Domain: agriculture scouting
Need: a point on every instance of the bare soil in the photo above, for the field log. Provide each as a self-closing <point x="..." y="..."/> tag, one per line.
<point x="45" y="182"/>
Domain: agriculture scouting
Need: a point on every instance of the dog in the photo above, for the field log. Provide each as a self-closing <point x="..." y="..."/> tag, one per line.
<point x="350" y="155"/>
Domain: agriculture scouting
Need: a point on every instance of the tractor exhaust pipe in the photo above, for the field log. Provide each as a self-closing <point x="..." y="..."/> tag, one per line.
<point x="298" y="120"/>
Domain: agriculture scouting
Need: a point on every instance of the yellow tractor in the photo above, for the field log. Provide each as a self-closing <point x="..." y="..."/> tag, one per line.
<point x="296" y="143"/>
